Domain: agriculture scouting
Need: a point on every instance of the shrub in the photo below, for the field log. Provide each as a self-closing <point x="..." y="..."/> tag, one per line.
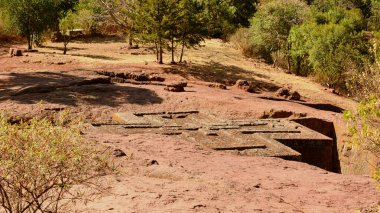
<point x="330" y="51"/>
<point x="271" y="25"/>
<point x="242" y="40"/>
<point x="41" y="161"/>
<point x="364" y="128"/>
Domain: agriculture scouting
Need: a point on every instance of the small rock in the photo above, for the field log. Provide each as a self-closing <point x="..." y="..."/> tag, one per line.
<point x="156" y="78"/>
<point x="218" y="86"/>
<point x="229" y="82"/>
<point x="282" y="92"/>
<point x="119" y="153"/>
<point x="152" y="162"/>
<point x="15" y="52"/>
<point x="245" y="85"/>
<point x="176" y="87"/>
<point x="137" y="76"/>
<point x="288" y="94"/>
<point x="241" y="83"/>
<point x="295" y="96"/>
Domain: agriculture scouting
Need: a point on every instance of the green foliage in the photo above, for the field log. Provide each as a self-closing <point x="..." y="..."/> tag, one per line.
<point x="364" y="128"/>
<point x="90" y="15"/>
<point x="374" y="19"/>
<point x="166" y="22"/>
<point x="123" y="13"/>
<point x="223" y="17"/>
<point x="67" y="24"/>
<point x="242" y="40"/>
<point x="42" y="161"/>
<point x="330" y="46"/>
<point x="32" y="18"/>
<point x="328" y="51"/>
<point x="271" y="26"/>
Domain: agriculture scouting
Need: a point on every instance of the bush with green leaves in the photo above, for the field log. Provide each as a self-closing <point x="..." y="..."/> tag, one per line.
<point x="271" y="25"/>
<point x="328" y="51"/>
<point x="242" y="40"/>
<point x="331" y="46"/>
<point x="31" y="18"/>
<point x="42" y="161"/>
<point x="364" y="128"/>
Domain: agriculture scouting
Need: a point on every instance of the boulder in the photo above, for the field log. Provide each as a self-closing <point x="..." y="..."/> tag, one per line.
<point x="138" y="76"/>
<point x="245" y="85"/>
<point x="282" y="92"/>
<point x="287" y="93"/>
<point x="15" y="52"/>
<point x="217" y="85"/>
<point x="119" y="153"/>
<point x="176" y="87"/>
<point x="295" y="96"/>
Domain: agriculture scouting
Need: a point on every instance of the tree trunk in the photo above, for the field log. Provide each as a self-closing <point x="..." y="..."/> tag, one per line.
<point x="130" y="41"/>
<point x="157" y="54"/>
<point x="173" y="61"/>
<point x="182" y="50"/>
<point x="298" y="68"/>
<point x="29" y="42"/>
<point x="160" y="60"/>
<point x="64" y="48"/>
<point x="289" y="59"/>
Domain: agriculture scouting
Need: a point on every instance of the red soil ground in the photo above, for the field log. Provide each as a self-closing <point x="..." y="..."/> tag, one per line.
<point x="188" y="177"/>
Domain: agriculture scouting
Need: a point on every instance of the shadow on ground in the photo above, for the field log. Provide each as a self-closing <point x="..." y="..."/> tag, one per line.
<point x="102" y="57"/>
<point x="67" y="89"/>
<point x="61" y="48"/>
<point x="98" y="39"/>
<point x="219" y="73"/>
<point x="319" y="106"/>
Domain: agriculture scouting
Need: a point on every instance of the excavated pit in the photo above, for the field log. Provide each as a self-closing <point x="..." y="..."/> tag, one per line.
<point x="312" y="141"/>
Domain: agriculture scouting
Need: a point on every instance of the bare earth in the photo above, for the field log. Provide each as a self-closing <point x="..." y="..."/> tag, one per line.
<point x="166" y="174"/>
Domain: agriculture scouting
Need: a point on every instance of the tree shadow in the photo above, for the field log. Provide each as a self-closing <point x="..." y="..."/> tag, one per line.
<point x="219" y="73"/>
<point x="61" y="48"/>
<point x="98" y="39"/>
<point x="102" y="57"/>
<point x="70" y="90"/>
<point x="319" y="106"/>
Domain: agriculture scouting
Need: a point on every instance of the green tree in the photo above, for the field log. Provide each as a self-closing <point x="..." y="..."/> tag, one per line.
<point x="224" y="17"/>
<point x="67" y="24"/>
<point x="191" y="26"/>
<point x="271" y="25"/>
<point x="363" y="126"/>
<point x="42" y="161"/>
<point x="123" y="13"/>
<point x="330" y="46"/>
<point x="90" y="15"/>
<point x="32" y="18"/>
<point x="151" y="23"/>
<point x="218" y="15"/>
<point x="374" y="19"/>
<point x="172" y="19"/>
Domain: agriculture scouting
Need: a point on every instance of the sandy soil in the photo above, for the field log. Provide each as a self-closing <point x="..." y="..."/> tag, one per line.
<point x="188" y="178"/>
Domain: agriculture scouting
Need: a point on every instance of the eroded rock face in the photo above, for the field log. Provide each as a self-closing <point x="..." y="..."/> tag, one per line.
<point x="287" y="93"/>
